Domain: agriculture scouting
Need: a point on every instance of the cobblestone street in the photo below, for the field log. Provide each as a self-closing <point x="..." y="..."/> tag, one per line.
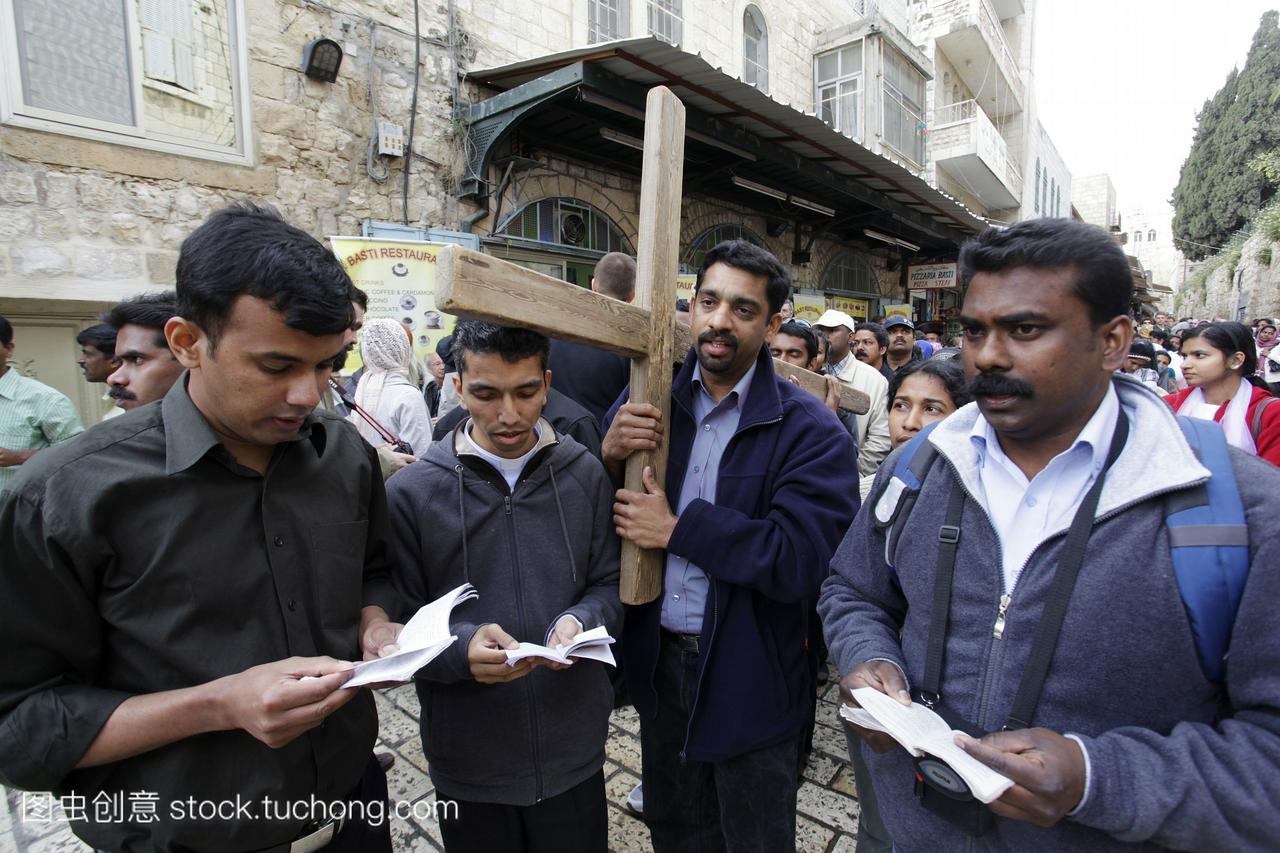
<point x="826" y="822"/>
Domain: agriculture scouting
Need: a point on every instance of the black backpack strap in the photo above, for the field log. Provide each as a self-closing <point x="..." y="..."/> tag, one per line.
<point x="1064" y="583"/>
<point x="948" y="545"/>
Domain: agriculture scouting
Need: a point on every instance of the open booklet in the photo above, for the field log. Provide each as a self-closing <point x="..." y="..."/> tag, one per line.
<point x="421" y="641"/>
<point x="590" y="645"/>
<point x="921" y="730"/>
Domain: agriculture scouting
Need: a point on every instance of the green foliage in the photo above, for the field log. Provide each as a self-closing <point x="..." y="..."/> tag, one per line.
<point x="1268" y="164"/>
<point x="1217" y="191"/>
<point x="1263" y="256"/>
<point x="1268" y="222"/>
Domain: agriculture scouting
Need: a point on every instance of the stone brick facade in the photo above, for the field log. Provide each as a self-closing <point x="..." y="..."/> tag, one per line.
<point x="88" y="220"/>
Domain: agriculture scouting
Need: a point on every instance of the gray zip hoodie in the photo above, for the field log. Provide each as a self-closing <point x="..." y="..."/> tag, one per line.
<point x="1169" y="765"/>
<point x="535" y="553"/>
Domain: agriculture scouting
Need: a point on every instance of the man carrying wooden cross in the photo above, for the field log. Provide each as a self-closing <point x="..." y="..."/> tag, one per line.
<point x="763" y="484"/>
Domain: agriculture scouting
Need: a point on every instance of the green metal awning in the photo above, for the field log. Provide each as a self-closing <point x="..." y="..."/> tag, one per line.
<point x="588" y="105"/>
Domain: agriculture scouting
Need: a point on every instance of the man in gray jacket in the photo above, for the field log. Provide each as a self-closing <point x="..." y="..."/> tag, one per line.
<point x="525" y="515"/>
<point x="1135" y="742"/>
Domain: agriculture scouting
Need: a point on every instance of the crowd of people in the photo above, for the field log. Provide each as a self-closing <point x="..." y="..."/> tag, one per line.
<point x="1035" y="529"/>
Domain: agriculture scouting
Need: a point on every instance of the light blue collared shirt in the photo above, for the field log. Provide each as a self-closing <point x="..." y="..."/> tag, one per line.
<point x="1026" y="513"/>
<point x="685" y="586"/>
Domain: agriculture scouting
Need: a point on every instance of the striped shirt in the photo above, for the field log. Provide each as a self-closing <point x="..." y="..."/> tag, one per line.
<point x="33" y="416"/>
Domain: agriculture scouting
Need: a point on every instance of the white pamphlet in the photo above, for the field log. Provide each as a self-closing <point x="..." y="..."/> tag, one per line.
<point x="589" y="645"/>
<point x="421" y="641"/>
<point x="919" y="729"/>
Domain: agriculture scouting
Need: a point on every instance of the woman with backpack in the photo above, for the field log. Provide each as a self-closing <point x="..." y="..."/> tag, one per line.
<point x="1219" y="362"/>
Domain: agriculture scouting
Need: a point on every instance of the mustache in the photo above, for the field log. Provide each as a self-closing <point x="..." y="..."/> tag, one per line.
<point x="718" y="337"/>
<point x="998" y="385"/>
<point x="118" y="393"/>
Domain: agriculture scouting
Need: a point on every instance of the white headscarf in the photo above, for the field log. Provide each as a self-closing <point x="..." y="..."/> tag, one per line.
<point x="1234" y="420"/>
<point x="385" y="351"/>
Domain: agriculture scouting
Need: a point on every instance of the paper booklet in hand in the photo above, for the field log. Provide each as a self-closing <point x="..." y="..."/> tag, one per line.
<point x="921" y="730"/>
<point x="421" y="641"/>
<point x="590" y="645"/>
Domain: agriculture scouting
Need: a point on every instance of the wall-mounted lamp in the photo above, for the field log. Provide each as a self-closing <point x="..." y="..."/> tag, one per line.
<point x="321" y="59"/>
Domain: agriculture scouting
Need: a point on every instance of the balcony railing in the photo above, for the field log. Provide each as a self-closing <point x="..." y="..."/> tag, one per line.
<point x="985" y="140"/>
<point x="989" y="23"/>
<point x="866" y="8"/>
<point x="964" y="28"/>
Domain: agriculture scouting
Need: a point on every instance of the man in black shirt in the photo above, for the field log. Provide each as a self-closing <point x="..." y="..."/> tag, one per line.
<point x="181" y="590"/>
<point x="591" y="377"/>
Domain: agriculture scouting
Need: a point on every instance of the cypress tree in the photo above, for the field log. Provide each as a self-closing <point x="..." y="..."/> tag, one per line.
<point x="1217" y="191"/>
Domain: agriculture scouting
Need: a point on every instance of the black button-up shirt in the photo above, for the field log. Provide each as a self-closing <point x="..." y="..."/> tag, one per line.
<point x="140" y="558"/>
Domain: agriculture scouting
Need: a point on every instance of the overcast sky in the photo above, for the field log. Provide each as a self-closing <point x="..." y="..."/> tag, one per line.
<point x="1119" y="82"/>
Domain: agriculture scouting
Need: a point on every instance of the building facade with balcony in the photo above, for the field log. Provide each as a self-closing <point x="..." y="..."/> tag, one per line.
<point x="987" y="146"/>
<point x="121" y="128"/>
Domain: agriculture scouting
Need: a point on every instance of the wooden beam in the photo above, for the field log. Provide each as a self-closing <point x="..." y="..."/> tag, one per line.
<point x="471" y="284"/>
<point x="657" y="262"/>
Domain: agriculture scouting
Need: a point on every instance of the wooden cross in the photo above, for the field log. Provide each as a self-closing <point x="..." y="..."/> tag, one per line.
<point x="482" y="287"/>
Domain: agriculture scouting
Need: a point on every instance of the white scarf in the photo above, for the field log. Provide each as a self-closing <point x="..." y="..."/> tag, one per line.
<point x="1235" y="421"/>
<point x="385" y="351"/>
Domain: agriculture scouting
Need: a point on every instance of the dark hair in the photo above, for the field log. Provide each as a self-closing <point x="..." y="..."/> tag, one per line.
<point x="615" y="276"/>
<point x="1141" y="349"/>
<point x="512" y="343"/>
<point x="1229" y="337"/>
<point x="444" y="349"/>
<point x="6" y="332"/>
<point x="805" y="333"/>
<point x="360" y="298"/>
<point x="1159" y="334"/>
<point x="682" y="305"/>
<point x="821" y="340"/>
<point x="1266" y="324"/>
<point x="947" y="371"/>
<point x="148" y="310"/>
<point x="742" y="255"/>
<point x="248" y="249"/>
<point x="101" y="337"/>
<point x="1103" y="280"/>
<point x="882" y="334"/>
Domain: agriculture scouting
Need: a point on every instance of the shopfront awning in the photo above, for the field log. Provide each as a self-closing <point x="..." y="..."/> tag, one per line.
<point x="741" y="145"/>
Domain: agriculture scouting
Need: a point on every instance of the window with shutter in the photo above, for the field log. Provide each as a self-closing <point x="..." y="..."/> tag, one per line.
<point x="755" y="49"/>
<point x="73" y="58"/>
<point x="166" y="75"/>
<point x="168" y="42"/>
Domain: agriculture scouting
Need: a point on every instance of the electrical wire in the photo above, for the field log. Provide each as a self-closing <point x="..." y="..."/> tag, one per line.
<point x="373" y="106"/>
<point x="413" y="112"/>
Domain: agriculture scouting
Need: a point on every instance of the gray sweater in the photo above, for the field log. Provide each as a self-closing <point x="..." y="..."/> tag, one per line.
<point x="545" y="549"/>
<point x="1169" y="767"/>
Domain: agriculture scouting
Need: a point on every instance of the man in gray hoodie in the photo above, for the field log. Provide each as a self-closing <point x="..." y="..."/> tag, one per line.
<point x="525" y="515"/>
<point x="1138" y="739"/>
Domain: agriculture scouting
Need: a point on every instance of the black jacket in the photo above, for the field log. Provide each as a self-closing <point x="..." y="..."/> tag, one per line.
<point x="591" y="377"/>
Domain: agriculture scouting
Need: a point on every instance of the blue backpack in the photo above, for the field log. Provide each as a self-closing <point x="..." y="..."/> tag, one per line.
<point x="1208" y="536"/>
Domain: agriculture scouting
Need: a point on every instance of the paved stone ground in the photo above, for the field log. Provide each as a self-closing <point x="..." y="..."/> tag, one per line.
<point x="826" y="823"/>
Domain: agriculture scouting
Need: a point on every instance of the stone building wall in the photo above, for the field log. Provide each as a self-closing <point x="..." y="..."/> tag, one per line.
<point x="1256" y="275"/>
<point x="82" y="219"/>
<point x="1094" y="196"/>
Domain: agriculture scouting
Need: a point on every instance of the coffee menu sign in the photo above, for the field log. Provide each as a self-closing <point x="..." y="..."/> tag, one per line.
<point x="931" y="277"/>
